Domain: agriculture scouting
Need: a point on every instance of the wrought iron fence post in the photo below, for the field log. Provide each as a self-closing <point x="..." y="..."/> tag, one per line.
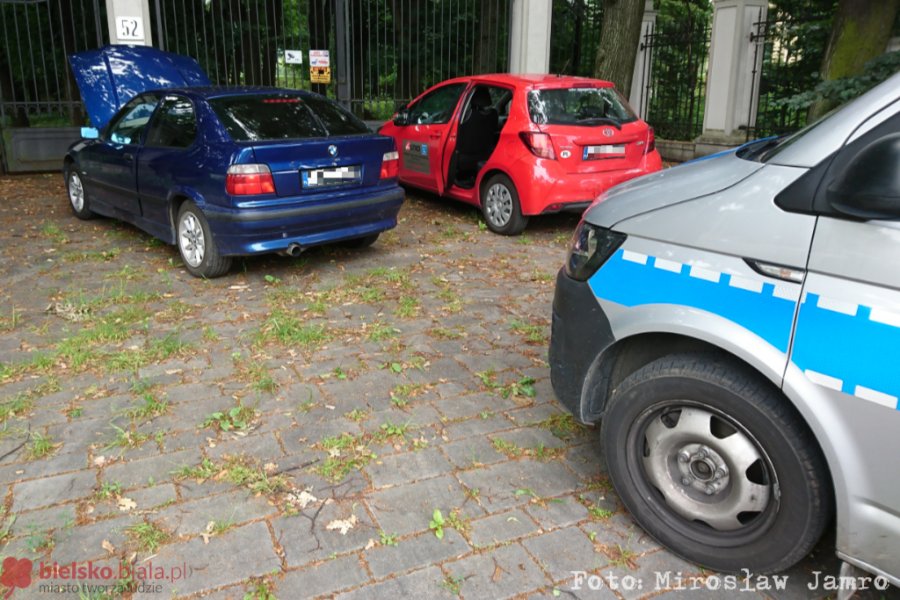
<point x="342" y="51"/>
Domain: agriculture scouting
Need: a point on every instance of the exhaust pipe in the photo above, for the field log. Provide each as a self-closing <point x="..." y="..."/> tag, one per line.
<point x="293" y="250"/>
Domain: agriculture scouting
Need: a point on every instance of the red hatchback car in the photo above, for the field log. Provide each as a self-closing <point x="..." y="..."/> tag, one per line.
<point x="521" y="145"/>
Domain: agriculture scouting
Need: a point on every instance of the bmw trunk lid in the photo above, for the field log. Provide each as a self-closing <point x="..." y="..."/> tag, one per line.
<point x="113" y="75"/>
<point x="329" y="164"/>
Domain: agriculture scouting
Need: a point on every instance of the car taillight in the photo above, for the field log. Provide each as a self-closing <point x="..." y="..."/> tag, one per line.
<point x="390" y="165"/>
<point x="249" y="180"/>
<point x="651" y="142"/>
<point x="539" y="144"/>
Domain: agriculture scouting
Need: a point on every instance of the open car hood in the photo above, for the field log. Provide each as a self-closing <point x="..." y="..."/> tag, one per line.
<point x="113" y="75"/>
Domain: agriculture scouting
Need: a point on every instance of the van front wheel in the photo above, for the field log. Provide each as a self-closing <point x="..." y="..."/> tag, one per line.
<point x="713" y="463"/>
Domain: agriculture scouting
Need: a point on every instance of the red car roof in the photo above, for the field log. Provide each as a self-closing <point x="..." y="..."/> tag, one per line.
<point x="536" y="80"/>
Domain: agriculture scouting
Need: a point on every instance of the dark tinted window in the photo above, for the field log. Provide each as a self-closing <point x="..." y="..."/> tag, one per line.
<point x="578" y="106"/>
<point x="175" y="126"/>
<point x="284" y="117"/>
<point x="132" y="120"/>
<point x="437" y="106"/>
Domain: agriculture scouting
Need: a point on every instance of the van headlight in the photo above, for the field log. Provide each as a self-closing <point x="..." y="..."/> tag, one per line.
<point x="591" y="247"/>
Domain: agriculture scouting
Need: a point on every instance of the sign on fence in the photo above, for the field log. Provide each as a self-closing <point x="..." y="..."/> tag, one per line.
<point x="293" y="57"/>
<point x="319" y="66"/>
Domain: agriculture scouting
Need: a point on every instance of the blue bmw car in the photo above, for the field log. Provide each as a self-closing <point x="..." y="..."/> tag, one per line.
<point x="224" y="172"/>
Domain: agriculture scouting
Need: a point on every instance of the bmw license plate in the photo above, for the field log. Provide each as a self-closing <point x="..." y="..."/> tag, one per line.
<point x="604" y="151"/>
<point x="329" y="176"/>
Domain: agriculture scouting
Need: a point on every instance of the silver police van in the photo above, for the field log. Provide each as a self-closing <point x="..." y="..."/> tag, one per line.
<point x="734" y="325"/>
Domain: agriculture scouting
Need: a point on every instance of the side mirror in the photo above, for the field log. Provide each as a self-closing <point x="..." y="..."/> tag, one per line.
<point x="89" y="133"/>
<point x="402" y="118"/>
<point x="869" y="187"/>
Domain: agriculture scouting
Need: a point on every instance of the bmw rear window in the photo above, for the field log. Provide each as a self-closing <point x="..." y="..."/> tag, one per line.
<point x="587" y="107"/>
<point x="272" y="117"/>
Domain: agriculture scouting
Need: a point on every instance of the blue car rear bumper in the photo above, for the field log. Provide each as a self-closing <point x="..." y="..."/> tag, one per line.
<point x="244" y="231"/>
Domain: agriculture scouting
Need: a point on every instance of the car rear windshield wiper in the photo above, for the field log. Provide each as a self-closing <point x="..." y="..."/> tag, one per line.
<point x="599" y="121"/>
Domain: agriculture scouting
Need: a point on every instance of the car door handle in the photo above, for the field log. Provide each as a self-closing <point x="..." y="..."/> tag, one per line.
<point x="128" y="156"/>
<point x="435" y="136"/>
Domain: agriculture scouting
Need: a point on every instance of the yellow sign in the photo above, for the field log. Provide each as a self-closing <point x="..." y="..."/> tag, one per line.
<point x="320" y="75"/>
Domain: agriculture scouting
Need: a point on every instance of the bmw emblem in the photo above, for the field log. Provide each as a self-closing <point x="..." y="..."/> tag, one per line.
<point x="332" y="150"/>
<point x="608" y="132"/>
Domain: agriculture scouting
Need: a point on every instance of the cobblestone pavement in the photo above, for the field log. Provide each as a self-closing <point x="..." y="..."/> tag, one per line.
<point x="365" y="424"/>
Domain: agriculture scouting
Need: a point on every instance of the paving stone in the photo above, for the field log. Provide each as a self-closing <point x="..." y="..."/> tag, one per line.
<point x="652" y="573"/>
<point x="420" y="551"/>
<point x="326" y="578"/>
<point x="621" y="530"/>
<point x="234" y="556"/>
<point x="477" y="426"/>
<point x="262" y="447"/>
<point x="147" y="498"/>
<point x="79" y="435"/>
<point x="502" y="527"/>
<point x="407" y="466"/>
<point x="473" y="405"/>
<point x="563" y="551"/>
<point x="558" y="512"/>
<point x="498" y="483"/>
<point x="55" y="517"/>
<point x="137" y="473"/>
<point x="84" y="542"/>
<point x="471" y="452"/>
<point x="42" y="492"/>
<point x="502" y="573"/>
<point x="42" y="467"/>
<point x="304" y="542"/>
<point x="406" y="509"/>
<point x="426" y="583"/>
<point x="192" y="517"/>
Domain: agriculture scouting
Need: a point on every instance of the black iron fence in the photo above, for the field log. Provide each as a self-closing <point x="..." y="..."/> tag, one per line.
<point x="36" y="87"/>
<point x="382" y="52"/>
<point x="574" y="36"/>
<point x="788" y="55"/>
<point x="673" y="89"/>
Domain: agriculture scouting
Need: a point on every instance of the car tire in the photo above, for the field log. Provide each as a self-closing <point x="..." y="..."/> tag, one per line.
<point x="196" y="244"/>
<point x="78" y="198"/>
<point x="362" y="242"/>
<point x="668" y="431"/>
<point x="500" y="206"/>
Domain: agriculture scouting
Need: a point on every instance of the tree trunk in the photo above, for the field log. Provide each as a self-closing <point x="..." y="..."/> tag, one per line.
<point x="620" y="35"/>
<point x="859" y="33"/>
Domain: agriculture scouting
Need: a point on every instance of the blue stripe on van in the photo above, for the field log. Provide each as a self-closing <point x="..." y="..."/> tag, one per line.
<point x="854" y="350"/>
<point x="633" y="284"/>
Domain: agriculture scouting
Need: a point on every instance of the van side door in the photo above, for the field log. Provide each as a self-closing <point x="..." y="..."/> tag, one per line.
<point x="847" y="344"/>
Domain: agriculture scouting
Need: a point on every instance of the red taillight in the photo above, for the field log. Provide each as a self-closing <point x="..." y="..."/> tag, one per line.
<point x="249" y="180"/>
<point x="651" y="142"/>
<point x="390" y="165"/>
<point x="539" y="144"/>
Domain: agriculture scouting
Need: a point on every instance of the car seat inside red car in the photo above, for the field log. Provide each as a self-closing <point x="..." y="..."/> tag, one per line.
<point x="479" y="132"/>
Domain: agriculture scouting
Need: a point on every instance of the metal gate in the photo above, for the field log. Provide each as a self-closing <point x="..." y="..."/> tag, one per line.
<point x="574" y="36"/>
<point x="382" y="52"/>
<point x="673" y="89"/>
<point x="39" y="103"/>
<point x="788" y="53"/>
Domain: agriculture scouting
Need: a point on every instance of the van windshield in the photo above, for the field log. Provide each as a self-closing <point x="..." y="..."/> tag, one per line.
<point x="765" y="149"/>
<point x="588" y="107"/>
